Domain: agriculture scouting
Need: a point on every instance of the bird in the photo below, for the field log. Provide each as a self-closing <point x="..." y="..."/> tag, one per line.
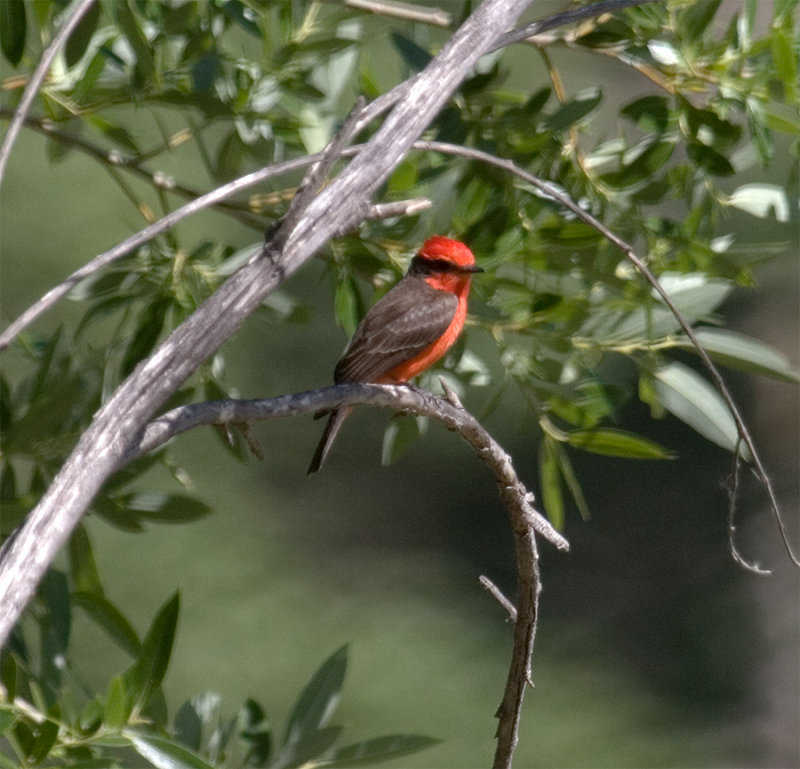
<point x="409" y="328"/>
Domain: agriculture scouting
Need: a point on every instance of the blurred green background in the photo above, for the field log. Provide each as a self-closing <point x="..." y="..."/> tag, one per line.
<point x="654" y="648"/>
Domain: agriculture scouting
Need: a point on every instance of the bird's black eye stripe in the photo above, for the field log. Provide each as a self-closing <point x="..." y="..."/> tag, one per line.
<point x="425" y="266"/>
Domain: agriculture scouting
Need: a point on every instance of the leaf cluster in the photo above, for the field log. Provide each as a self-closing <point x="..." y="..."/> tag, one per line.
<point x="50" y="716"/>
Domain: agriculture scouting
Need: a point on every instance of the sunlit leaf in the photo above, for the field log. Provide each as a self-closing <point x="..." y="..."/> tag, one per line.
<point x="762" y="200"/>
<point x="743" y="352"/>
<point x="692" y="399"/>
<point x="164" y="754"/>
<point x="318" y="700"/>
<point x="617" y="443"/>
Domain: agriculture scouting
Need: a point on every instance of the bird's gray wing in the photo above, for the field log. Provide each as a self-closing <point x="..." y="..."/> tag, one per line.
<point x="404" y="322"/>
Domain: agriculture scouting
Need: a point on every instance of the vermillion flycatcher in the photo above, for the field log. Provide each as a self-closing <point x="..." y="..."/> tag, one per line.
<point x="408" y="329"/>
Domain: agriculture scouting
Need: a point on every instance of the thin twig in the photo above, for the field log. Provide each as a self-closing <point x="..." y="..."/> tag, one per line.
<point x="405" y="11"/>
<point x="498" y="596"/>
<point x="37" y="78"/>
<point x="591" y="11"/>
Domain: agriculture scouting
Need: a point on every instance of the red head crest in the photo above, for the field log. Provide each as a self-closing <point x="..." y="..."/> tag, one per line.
<point x="439" y="247"/>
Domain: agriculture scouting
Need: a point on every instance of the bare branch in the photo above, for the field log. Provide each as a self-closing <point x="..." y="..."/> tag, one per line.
<point x="498" y="596"/>
<point x="75" y="15"/>
<point x="411" y="400"/>
<point x="406" y="11"/>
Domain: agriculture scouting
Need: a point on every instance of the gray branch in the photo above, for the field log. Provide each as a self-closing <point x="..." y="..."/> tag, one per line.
<point x="408" y="400"/>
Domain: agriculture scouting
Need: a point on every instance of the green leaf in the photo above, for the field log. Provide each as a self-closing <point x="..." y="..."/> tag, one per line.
<point x="743" y="352"/>
<point x="8" y="675"/>
<point x="57" y="622"/>
<point x="117" y="704"/>
<point x="83" y="566"/>
<point x="785" y="60"/>
<point x="698" y="18"/>
<point x="650" y="113"/>
<point x="318" y="700"/>
<point x="13" y="27"/>
<point x="46" y="734"/>
<point x="709" y="159"/>
<point x="110" y="619"/>
<point x="242" y="14"/>
<point x="400" y="435"/>
<point x="188" y="726"/>
<point x="7" y="718"/>
<point x="414" y="56"/>
<point x="691" y="398"/>
<point x="550" y="482"/>
<point x="144" y="678"/>
<point x="783" y="117"/>
<point x="166" y="508"/>
<point x="164" y="754"/>
<point x="149" y="325"/>
<point x="617" y="443"/>
<point x="346" y="305"/>
<point x="403" y="177"/>
<point x="574" y="110"/>
<point x="694" y="294"/>
<point x="310" y="747"/>
<point x="572" y="483"/>
<point x="79" y="38"/>
<point x="146" y="71"/>
<point x="378" y="749"/>
<point x="255" y="732"/>
<point x="641" y="164"/>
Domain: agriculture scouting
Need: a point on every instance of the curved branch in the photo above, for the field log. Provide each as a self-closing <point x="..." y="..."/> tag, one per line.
<point x="525" y="520"/>
<point x="408" y="400"/>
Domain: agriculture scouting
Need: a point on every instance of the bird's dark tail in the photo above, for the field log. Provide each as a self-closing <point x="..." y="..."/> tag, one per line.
<point x="332" y="428"/>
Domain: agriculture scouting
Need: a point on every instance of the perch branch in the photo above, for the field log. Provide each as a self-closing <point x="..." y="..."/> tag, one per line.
<point x="409" y="400"/>
<point x="525" y="520"/>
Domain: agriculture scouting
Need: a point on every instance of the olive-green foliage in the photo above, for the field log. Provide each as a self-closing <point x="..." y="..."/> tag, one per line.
<point x="246" y="84"/>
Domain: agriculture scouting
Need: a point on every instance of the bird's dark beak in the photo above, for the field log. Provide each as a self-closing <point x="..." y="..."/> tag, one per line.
<point x="472" y="268"/>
